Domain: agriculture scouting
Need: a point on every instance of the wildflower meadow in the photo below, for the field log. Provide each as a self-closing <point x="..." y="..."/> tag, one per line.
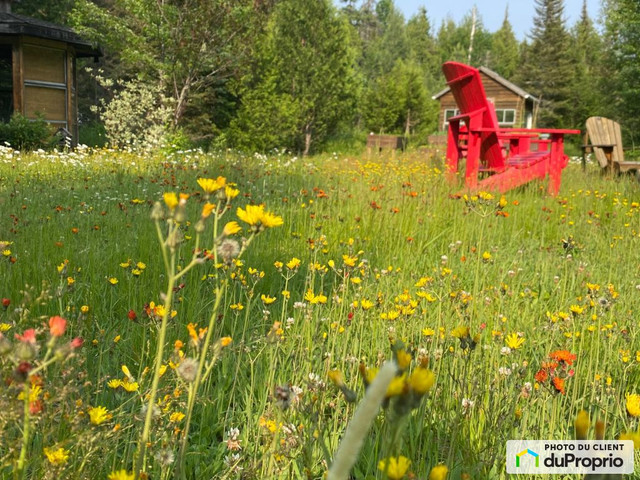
<point x="225" y="316"/>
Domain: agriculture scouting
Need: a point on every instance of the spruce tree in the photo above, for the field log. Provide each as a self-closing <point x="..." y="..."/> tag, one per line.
<point x="504" y="55"/>
<point x="588" y="50"/>
<point x="549" y="69"/>
<point x="423" y="48"/>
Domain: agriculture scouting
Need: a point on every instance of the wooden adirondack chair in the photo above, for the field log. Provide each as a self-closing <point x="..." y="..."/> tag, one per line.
<point x="605" y="139"/>
<point x="506" y="157"/>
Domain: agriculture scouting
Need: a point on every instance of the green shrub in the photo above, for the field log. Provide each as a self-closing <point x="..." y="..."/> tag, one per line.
<point x="24" y="134"/>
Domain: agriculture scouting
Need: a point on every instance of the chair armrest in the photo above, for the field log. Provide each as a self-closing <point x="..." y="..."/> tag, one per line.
<point x="543" y="130"/>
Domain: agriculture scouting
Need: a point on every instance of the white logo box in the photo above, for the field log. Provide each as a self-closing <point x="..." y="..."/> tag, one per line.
<point x="570" y="456"/>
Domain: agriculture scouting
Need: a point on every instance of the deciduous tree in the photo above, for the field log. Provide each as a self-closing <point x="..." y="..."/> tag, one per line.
<point x="182" y="45"/>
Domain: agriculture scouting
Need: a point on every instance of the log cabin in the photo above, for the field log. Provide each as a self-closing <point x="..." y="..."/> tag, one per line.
<point x="38" y="75"/>
<point x="515" y="108"/>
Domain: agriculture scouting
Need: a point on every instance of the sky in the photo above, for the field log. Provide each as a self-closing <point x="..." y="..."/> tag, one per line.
<point x="521" y="12"/>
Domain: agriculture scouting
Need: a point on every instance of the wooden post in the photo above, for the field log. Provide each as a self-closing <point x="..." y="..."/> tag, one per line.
<point x="18" y="78"/>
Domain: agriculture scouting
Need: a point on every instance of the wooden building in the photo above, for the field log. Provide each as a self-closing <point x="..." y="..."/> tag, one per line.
<point x="514" y="107"/>
<point x="38" y="69"/>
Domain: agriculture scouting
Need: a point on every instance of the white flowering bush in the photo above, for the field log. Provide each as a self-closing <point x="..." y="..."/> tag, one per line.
<point x="137" y="116"/>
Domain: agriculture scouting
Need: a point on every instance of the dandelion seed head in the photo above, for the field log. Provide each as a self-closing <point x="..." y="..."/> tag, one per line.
<point x="165" y="457"/>
<point x="188" y="369"/>
<point x="228" y="249"/>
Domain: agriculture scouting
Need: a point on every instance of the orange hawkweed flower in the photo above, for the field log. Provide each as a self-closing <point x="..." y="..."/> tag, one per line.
<point x="563" y="356"/>
<point x="558" y="383"/>
<point x="57" y="326"/>
<point x="541" y="376"/>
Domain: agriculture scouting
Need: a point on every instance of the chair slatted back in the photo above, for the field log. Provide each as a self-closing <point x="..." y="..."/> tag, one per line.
<point x="603" y="131"/>
<point x="466" y="86"/>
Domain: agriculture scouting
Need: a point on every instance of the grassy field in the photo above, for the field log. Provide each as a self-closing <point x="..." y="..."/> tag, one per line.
<point x="508" y="315"/>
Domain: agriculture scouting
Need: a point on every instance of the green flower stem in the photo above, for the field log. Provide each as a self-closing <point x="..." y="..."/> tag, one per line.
<point x="165" y="254"/>
<point x="26" y="431"/>
<point x="200" y="375"/>
<point x="194" y="387"/>
<point x="146" y="432"/>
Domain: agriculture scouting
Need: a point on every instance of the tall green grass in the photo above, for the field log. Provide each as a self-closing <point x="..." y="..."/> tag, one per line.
<point x="375" y="235"/>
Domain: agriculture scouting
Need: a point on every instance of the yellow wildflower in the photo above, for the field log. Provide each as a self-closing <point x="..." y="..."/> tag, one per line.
<point x="231" y="192"/>
<point x="349" y="261"/>
<point x="207" y="209"/>
<point x="577" y="309"/>
<point x="176" y="417"/>
<point x="397" y="386"/>
<point x="634" y="436"/>
<point x="269" y="220"/>
<point x="130" y="386"/>
<point x="210" y="185"/>
<point x="266" y="299"/>
<point x="581" y="425"/>
<point x="127" y="372"/>
<point x="115" y="383"/>
<point x="421" y="380"/>
<point x="439" y="472"/>
<point x="633" y="404"/>
<point x="394" y="467"/>
<point x="171" y="200"/>
<point x="255" y="215"/>
<point x="56" y="457"/>
<point x="231" y="228"/>
<point x="403" y="358"/>
<point x="514" y="341"/>
<point x="99" y="415"/>
<point x="336" y="378"/>
<point x="369" y="375"/>
<point x="460" y="332"/>
<point x="366" y="304"/>
<point x="251" y="214"/>
<point x="293" y="263"/>
<point x="121" y="475"/>
<point x="314" y="299"/>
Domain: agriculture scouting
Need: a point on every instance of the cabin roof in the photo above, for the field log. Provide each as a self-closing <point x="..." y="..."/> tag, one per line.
<point x="13" y="24"/>
<point x="501" y="80"/>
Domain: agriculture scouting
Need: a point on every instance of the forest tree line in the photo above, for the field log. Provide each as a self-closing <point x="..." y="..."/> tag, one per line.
<point x="309" y="76"/>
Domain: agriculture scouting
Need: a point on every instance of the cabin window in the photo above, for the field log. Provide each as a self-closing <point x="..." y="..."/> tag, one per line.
<point x="506" y="116"/>
<point x="447" y="115"/>
<point x="6" y="82"/>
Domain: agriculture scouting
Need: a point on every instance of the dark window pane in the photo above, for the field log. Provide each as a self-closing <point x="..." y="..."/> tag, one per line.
<point x="6" y="83"/>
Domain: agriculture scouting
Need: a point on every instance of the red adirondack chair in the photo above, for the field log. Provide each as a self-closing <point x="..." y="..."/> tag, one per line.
<point x="505" y="157"/>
